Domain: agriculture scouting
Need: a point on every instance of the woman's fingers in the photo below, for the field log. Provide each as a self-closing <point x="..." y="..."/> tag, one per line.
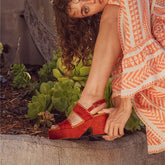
<point x="121" y="131"/>
<point x="117" y="118"/>
<point x="98" y="109"/>
<point x="111" y="131"/>
<point x="107" y="125"/>
<point x="106" y="137"/>
<point x="116" y="132"/>
<point x="114" y="126"/>
<point x="108" y="110"/>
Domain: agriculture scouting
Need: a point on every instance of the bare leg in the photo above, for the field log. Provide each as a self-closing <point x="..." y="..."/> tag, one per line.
<point x="107" y="49"/>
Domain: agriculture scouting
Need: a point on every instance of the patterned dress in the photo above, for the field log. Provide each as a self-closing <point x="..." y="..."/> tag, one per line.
<point x="140" y="70"/>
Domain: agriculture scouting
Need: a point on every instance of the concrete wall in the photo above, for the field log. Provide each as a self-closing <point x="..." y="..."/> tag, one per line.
<point x="31" y="150"/>
<point x="15" y="33"/>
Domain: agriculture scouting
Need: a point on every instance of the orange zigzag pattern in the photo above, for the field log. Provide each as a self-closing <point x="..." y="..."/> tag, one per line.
<point x="153" y="114"/>
<point x="133" y="79"/>
<point x="152" y="139"/>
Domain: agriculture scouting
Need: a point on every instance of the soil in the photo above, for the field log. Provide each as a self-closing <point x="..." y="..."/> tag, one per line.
<point x="13" y="107"/>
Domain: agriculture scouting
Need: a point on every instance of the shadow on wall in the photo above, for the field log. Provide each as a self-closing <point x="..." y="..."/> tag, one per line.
<point x="28" y="31"/>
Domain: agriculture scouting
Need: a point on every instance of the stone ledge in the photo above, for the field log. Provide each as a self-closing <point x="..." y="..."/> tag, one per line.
<point x="32" y="150"/>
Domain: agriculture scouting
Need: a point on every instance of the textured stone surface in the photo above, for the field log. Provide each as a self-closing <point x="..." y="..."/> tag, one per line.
<point x="17" y="35"/>
<point x="30" y="150"/>
<point x="39" y="16"/>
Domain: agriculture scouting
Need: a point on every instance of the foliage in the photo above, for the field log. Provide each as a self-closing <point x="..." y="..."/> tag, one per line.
<point x="21" y="78"/>
<point x="134" y="123"/>
<point x="65" y="94"/>
<point x="33" y="86"/>
<point x="45" y="73"/>
<point x="59" y="95"/>
<point x="41" y="101"/>
<point x="108" y="93"/>
<point x="78" y="74"/>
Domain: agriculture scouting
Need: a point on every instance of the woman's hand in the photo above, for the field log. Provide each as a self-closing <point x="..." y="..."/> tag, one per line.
<point x="118" y="117"/>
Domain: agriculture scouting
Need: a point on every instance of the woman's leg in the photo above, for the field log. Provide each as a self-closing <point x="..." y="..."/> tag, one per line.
<point x="107" y="49"/>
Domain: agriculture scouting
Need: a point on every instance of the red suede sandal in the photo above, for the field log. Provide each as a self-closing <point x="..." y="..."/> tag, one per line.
<point x="96" y="122"/>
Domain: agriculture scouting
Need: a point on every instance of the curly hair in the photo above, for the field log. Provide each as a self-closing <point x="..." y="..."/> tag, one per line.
<point x="77" y="36"/>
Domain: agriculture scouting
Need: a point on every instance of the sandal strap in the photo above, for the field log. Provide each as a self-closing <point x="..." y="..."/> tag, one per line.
<point x="82" y="112"/>
<point x="65" y="124"/>
<point x="96" y="104"/>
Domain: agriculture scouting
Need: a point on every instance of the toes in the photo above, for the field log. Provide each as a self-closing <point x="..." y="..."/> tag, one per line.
<point x="54" y="127"/>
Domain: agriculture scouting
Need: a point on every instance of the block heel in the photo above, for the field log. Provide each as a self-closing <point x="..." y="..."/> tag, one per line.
<point x="66" y="131"/>
<point x="98" y="124"/>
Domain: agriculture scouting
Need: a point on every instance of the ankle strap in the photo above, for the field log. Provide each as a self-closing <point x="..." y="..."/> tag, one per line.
<point x="96" y="104"/>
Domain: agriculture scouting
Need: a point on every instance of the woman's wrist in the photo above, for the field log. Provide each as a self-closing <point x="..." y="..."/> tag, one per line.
<point x="126" y="104"/>
<point x="123" y="104"/>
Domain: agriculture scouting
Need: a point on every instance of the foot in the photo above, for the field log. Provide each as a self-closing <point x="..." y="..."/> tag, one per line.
<point x="74" y="119"/>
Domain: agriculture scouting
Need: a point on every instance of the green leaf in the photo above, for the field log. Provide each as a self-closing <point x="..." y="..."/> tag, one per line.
<point x="134" y="123"/>
<point x="57" y="53"/>
<point x="62" y="79"/>
<point x="37" y="92"/>
<point x="84" y="71"/>
<point x="79" y="78"/>
<point x="60" y="104"/>
<point x="82" y="83"/>
<point x="43" y="101"/>
<point x="34" y="109"/>
<point x="21" y="80"/>
<point x="28" y="75"/>
<point x="107" y="93"/>
<point x="67" y="84"/>
<point x="70" y="108"/>
<point x="61" y="67"/>
<point x="76" y="71"/>
<point x="34" y="99"/>
<point x="45" y="88"/>
<point x="77" y="84"/>
<point x="73" y="98"/>
<point x="56" y="92"/>
<point x="57" y="74"/>
<point x="18" y="68"/>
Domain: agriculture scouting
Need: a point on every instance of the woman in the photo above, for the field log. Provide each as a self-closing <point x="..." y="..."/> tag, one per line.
<point x="130" y="45"/>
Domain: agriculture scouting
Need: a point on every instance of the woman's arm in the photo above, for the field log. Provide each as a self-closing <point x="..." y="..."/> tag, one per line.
<point x="107" y="49"/>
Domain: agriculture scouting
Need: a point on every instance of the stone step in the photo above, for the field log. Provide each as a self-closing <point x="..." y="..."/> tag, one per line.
<point x="32" y="150"/>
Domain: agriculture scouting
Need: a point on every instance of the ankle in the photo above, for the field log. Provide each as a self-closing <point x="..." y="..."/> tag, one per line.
<point x="87" y="99"/>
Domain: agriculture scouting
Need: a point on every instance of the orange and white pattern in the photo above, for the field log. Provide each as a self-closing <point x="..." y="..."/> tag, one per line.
<point x="140" y="71"/>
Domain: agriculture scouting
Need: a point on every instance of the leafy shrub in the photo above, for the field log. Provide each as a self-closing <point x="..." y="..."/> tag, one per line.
<point x="59" y="95"/>
<point x="79" y="73"/>
<point x="134" y="123"/>
<point x="21" y="78"/>
<point x="45" y="73"/>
